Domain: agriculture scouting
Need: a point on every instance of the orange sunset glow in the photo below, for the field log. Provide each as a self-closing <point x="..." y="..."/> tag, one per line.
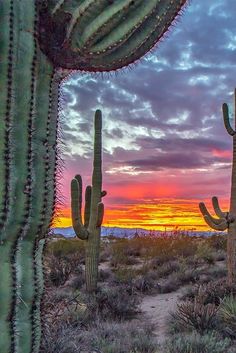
<point x="160" y="214"/>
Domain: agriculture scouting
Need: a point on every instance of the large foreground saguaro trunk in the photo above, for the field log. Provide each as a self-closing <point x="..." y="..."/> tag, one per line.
<point x="37" y="37"/>
<point x="28" y="129"/>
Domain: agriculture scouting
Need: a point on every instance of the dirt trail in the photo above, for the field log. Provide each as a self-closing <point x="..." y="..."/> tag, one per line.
<point x="156" y="310"/>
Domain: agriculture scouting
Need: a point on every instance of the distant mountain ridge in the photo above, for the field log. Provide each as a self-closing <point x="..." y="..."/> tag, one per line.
<point x="118" y="232"/>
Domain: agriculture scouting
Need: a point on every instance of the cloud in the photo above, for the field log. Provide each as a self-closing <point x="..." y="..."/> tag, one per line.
<point x="164" y="116"/>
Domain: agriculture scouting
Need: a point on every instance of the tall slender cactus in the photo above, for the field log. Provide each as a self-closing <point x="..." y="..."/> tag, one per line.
<point x="226" y="220"/>
<point x="39" y="39"/>
<point x="93" y="210"/>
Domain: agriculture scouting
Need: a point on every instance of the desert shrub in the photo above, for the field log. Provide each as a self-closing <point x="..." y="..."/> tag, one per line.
<point x="105" y="275"/>
<point x="123" y="337"/>
<point x="105" y="252"/>
<point x="104" y="337"/>
<point x="186" y="275"/>
<point x="78" y="281"/>
<point x="167" y="249"/>
<point x="59" y="270"/>
<point x="64" y="307"/>
<point x="117" y="303"/>
<point x="120" y="254"/>
<point x="184" y="246"/>
<point x="217" y="242"/>
<point x="134" y="247"/>
<point x="228" y="315"/>
<point x="162" y="258"/>
<point x="213" y="291"/>
<point x="124" y="275"/>
<point x="180" y="278"/>
<point x="170" y="284"/>
<point x="196" y="343"/>
<point x="60" y="340"/>
<point x="220" y="255"/>
<point x="204" y="252"/>
<point x="139" y="280"/>
<point x="63" y="257"/>
<point x="195" y="316"/>
<point x="215" y="272"/>
<point x="168" y="268"/>
<point x="147" y="283"/>
<point x="62" y="247"/>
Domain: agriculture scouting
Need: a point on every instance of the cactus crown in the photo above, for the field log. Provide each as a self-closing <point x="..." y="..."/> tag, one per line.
<point x="103" y="35"/>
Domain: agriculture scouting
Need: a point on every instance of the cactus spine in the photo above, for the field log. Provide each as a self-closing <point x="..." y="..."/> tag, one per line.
<point x="93" y="210"/>
<point x="226" y="220"/>
<point x="37" y="40"/>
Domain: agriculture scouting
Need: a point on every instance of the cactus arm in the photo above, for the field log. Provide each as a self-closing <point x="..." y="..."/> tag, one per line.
<point x="206" y="213"/>
<point x="93" y="36"/>
<point x="220" y="226"/>
<point x="104" y="193"/>
<point x="75" y="200"/>
<point x="228" y="127"/>
<point x="88" y="193"/>
<point x="80" y="190"/>
<point x="100" y="214"/>
<point x="217" y="208"/>
<point x="79" y="229"/>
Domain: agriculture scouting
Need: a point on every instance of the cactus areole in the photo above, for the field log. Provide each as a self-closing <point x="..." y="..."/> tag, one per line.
<point x="38" y="40"/>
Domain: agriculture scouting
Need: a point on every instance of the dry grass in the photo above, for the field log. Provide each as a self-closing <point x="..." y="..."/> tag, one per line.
<point x="103" y="322"/>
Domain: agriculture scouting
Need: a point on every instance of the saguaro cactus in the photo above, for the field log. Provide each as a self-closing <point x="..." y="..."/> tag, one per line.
<point x="226" y="220"/>
<point x="93" y="210"/>
<point x="103" y="35"/>
<point x="38" y="40"/>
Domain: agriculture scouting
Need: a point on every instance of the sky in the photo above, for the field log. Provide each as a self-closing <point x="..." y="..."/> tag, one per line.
<point x="165" y="147"/>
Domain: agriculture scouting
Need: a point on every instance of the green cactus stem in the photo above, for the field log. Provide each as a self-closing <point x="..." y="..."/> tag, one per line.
<point x="104" y="35"/>
<point x="90" y="230"/>
<point x="226" y="220"/>
<point x="39" y="42"/>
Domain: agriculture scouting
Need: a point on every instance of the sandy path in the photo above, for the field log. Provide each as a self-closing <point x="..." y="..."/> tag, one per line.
<point x="156" y="309"/>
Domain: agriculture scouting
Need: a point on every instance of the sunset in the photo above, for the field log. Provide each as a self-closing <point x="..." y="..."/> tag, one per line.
<point x="117" y="176"/>
<point x="165" y="147"/>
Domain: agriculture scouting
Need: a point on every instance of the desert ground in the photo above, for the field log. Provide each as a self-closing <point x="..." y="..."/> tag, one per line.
<point x="155" y="295"/>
